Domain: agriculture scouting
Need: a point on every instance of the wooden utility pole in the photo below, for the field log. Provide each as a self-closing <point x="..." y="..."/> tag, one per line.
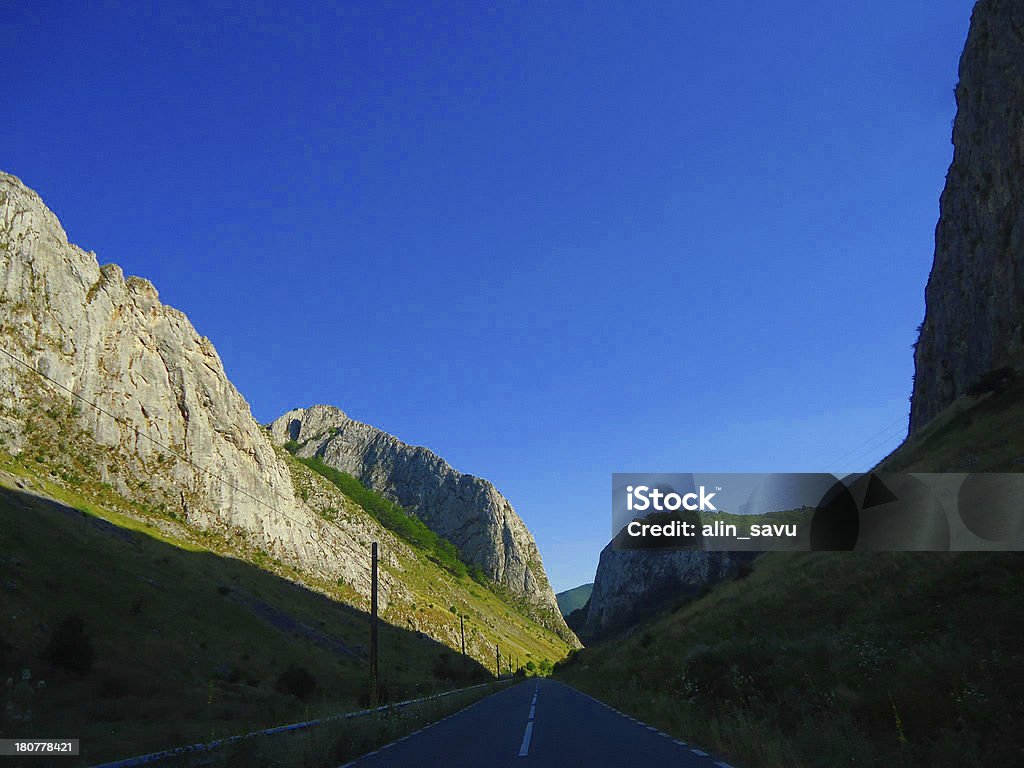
<point x="462" y="625"/>
<point x="374" y="679"/>
<point x="497" y="659"/>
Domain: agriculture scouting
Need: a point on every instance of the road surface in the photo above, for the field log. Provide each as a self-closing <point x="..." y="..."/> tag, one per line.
<point x="539" y="723"/>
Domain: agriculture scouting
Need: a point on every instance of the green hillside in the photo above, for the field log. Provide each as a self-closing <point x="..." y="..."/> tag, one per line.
<point x="824" y="659"/>
<point x="194" y="634"/>
<point x="574" y="599"/>
<point x="982" y="433"/>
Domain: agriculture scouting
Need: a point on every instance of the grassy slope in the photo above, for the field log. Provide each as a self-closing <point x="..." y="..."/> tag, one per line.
<point x="490" y="617"/>
<point x="974" y="435"/>
<point x="429" y="544"/>
<point x="823" y="659"/>
<point x="179" y="654"/>
<point x="574" y="598"/>
<point x="177" y="660"/>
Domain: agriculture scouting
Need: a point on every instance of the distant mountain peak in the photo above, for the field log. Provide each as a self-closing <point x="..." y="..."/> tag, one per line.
<point x="466" y="510"/>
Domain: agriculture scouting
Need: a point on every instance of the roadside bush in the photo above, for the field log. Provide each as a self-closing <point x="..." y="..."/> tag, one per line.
<point x="70" y="647"/>
<point x="444" y="669"/>
<point x="119" y="685"/>
<point x="296" y="681"/>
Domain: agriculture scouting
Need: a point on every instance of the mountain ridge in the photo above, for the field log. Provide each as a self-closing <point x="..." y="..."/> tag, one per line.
<point x="172" y="443"/>
<point x="465" y="509"/>
<point x="574" y="599"/>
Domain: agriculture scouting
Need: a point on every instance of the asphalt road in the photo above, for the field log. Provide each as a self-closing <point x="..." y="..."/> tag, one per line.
<point x="539" y="723"/>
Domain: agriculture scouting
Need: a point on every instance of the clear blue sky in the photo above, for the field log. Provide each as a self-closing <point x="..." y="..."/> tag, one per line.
<point x="549" y="241"/>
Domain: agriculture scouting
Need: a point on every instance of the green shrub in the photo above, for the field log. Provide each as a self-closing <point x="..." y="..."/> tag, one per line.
<point x="392" y="516"/>
<point x="296" y="681"/>
<point x="70" y="646"/>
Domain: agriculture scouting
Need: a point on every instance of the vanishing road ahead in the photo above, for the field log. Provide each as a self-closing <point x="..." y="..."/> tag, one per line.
<point x="538" y="723"/>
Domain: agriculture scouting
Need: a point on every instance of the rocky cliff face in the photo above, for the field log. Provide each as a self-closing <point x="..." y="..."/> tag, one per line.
<point x="974" y="321"/>
<point x="173" y="432"/>
<point x="466" y="510"/>
<point x="631" y="585"/>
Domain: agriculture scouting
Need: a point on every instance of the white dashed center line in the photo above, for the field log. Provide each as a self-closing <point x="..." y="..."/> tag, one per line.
<point x="524" y="748"/>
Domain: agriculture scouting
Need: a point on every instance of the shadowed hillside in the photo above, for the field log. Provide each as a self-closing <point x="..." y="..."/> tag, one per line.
<point x="824" y="659"/>
<point x="141" y="644"/>
<point x="909" y="659"/>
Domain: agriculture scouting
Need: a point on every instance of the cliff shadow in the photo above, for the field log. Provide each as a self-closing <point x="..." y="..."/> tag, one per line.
<point x="134" y="644"/>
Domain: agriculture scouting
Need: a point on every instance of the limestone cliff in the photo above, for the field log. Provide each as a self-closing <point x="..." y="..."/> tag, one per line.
<point x="631" y="585"/>
<point x="466" y="510"/>
<point x="974" y="318"/>
<point x="173" y="433"/>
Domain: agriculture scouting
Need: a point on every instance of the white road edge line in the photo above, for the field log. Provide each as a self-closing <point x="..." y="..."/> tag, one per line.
<point x="524" y="748"/>
<point x="723" y="765"/>
<point x="698" y="752"/>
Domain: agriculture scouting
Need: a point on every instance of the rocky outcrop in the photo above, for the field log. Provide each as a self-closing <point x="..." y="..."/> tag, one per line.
<point x="170" y="431"/>
<point x="632" y="585"/>
<point x="466" y="510"/>
<point x="974" y="318"/>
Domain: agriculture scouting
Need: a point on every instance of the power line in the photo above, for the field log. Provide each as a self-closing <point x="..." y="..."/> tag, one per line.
<point x="866" y="448"/>
<point x="873" y="447"/>
<point x="857" y="447"/>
